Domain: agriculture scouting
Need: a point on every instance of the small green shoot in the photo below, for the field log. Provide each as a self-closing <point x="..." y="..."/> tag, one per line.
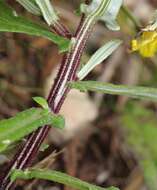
<point x="41" y="101"/>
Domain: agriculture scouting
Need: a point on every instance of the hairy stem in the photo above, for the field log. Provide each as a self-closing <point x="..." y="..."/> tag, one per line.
<point x="67" y="72"/>
<point x="57" y="95"/>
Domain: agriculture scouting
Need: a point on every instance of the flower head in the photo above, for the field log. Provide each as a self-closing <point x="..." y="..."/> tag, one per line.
<point x="146" y="44"/>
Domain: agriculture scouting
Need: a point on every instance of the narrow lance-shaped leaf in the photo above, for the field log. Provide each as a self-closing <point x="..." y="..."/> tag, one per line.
<point x="107" y="88"/>
<point x="11" y="22"/>
<point x="48" y="11"/>
<point x="98" y="57"/>
<point x="58" y="177"/>
<point x="30" y="6"/>
<point x="25" y="122"/>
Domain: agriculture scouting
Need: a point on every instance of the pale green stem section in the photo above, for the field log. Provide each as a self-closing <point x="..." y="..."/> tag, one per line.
<point x="58" y="177"/>
<point x="107" y="88"/>
<point x="134" y="20"/>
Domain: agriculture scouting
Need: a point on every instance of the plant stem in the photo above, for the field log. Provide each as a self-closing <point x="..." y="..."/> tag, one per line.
<point x="67" y="72"/>
<point x="134" y="20"/>
<point x="61" y="30"/>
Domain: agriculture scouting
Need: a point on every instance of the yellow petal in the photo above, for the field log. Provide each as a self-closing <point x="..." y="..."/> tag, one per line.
<point x="146" y="44"/>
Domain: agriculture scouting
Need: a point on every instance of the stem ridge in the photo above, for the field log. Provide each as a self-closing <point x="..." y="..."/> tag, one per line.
<point x="67" y="72"/>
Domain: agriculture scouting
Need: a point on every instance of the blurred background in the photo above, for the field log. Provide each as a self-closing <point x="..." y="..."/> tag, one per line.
<point x="108" y="140"/>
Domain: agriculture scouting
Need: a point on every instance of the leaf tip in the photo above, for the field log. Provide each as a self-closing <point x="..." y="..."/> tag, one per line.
<point x="41" y="101"/>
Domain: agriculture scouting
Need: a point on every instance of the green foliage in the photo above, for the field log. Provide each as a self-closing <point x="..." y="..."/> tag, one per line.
<point x="11" y="22"/>
<point x="15" y="128"/>
<point x="108" y="88"/>
<point x="108" y="14"/>
<point x="56" y="177"/>
<point x="98" y="57"/>
<point x="140" y="125"/>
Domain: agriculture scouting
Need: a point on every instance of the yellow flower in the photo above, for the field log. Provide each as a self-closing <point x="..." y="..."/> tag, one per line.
<point x="146" y="44"/>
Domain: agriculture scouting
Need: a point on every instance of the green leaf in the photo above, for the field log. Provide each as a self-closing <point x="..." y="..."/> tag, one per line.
<point x="41" y="101"/>
<point x="109" y="17"/>
<point x="107" y="88"/>
<point x="58" y="177"/>
<point x="98" y="57"/>
<point x="48" y="11"/>
<point x="58" y="122"/>
<point x="11" y="22"/>
<point x="15" y="128"/>
<point x="105" y="10"/>
<point x="30" y="6"/>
